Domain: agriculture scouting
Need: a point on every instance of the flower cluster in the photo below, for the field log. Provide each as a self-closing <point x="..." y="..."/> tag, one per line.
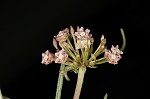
<point x="81" y="52"/>
<point x="84" y="38"/>
<point x="114" y="55"/>
<point x="61" y="56"/>
<point x="47" y="57"/>
<point x="74" y="51"/>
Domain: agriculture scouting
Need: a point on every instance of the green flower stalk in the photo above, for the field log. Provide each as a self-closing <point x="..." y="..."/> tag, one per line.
<point x="79" y="56"/>
<point x="80" y="79"/>
<point x="3" y="97"/>
<point x="60" y="82"/>
<point x="106" y="95"/>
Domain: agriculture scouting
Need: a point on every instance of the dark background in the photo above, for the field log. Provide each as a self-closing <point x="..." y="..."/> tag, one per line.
<point x="27" y="29"/>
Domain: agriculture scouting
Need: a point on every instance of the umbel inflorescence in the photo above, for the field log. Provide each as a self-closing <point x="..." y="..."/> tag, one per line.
<point x="81" y="52"/>
<point x="74" y="49"/>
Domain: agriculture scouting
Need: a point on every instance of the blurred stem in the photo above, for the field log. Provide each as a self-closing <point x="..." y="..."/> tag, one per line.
<point x="106" y="95"/>
<point x="60" y="82"/>
<point x="124" y="40"/>
<point x="1" y="97"/>
<point x="79" y="84"/>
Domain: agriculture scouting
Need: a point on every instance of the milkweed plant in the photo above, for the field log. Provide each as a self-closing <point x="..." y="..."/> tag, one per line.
<point x="74" y="52"/>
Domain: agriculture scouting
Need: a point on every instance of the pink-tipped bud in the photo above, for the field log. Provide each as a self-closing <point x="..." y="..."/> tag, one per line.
<point x="71" y="29"/>
<point x="102" y="37"/>
<point x="78" y="29"/>
<point x="55" y="44"/>
<point x="103" y="40"/>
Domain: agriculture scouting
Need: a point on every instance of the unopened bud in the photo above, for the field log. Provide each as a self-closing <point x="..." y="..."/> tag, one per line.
<point x="78" y="29"/>
<point x="55" y="43"/>
<point x="102" y="37"/>
<point x="71" y="29"/>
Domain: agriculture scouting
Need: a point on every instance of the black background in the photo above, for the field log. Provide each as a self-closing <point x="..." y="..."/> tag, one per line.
<point x="27" y="29"/>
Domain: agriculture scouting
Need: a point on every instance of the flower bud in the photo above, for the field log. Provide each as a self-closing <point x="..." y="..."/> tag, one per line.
<point x="71" y="29"/>
<point x="55" y="44"/>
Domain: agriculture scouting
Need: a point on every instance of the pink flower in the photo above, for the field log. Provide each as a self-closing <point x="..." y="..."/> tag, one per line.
<point x="113" y="56"/>
<point x="61" y="56"/>
<point x="83" y="35"/>
<point x="115" y="50"/>
<point x="62" y="35"/>
<point x="83" y="44"/>
<point x="84" y="38"/>
<point x="47" y="57"/>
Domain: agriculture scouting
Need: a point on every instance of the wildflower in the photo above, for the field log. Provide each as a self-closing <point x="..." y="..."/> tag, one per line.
<point x="83" y="44"/>
<point x="47" y="57"/>
<point x="62" y="35"/>
<point x="78" y="56"/>
<point x="61" y="56"/>
<point x="84" y="38"/>
<point x="82" y="35"/>
<point x="115" y="50"/>
<point x="113" y="56"/>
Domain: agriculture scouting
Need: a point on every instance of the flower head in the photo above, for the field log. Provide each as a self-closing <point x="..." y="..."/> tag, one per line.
<point x="81" y="52"/>
<point x="62" y="35"/>
<point x="115" y="50"/>
<point x="61" y="56"/>
<point x="82" y="35"/>
<point x="83" y="44"/>
<point x="114" y="55"/>
<point x="80" y="55"/>
<point x="84" y="38"/>
<point x="47" y="57"/>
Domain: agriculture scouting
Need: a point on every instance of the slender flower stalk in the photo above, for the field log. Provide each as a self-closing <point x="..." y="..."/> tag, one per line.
<point x="80" y="79"/>
<point x="60" y="82"/>
<point x="1" y="97"/>
<point x="106" y="95"/>
<point x="78" y="56"/>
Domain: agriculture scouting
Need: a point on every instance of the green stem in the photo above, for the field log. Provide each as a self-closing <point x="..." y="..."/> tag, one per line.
<point x="1" y="97"/>
<point x="124" y="40"/>
<point x="79" y="84"/>
<point x="60" y="82"/>
<point x="106" y="95"/>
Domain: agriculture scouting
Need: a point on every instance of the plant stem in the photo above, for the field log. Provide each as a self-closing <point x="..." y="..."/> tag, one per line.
<point x="79" y="84"/>
<point x="1" y="97"/>
<point x="106" y="95"/>
<point x="124" y="40"/>
<point x="60" y="82"/>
